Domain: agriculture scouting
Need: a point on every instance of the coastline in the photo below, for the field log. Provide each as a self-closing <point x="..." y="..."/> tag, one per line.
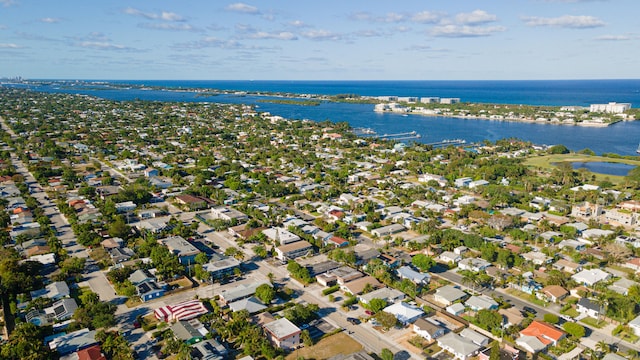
<point x="526" y="121"/>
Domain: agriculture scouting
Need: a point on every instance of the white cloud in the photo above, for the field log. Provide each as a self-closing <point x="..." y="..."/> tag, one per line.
<point x="169" y="16"/>
<point x="102" y="45"/>
<point x="426" y="17"/>
<point x="7" y="3"/>
<point x="50" y="20"/>
<point x="168" y="26"/>
<point x="243" y="8"/>
<point x="10" y="46"/>
<point x="475" y="17"/>
<point x="613" y="38"/>
<point x="454" y="31"/>
<point x="566" y="21"/>
<point x="283" y="35"/>
<point x="322" y="35"/>
<point x="164" y="15"/>
<point x="298" y="24"/>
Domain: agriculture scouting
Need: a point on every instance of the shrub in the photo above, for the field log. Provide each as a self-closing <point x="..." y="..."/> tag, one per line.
<point x="331" y="289"/>
<point x="551" y="318"/>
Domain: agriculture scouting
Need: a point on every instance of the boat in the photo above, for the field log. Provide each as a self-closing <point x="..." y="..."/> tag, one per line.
<point x="638" y="149"/>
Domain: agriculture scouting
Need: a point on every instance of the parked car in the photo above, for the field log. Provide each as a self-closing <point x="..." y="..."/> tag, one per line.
<point x="353" y="321"/>
<point x="368" y="312"/>
<point x="530" y="310"/>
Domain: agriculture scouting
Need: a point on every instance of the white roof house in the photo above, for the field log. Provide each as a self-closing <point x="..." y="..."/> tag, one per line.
<point x="448" y="294"/>
<point x="591" y="277"/>
<point x="385" y="293"/>
<point x="417" y="277"/>
<point x="481" y="302"/>
<point x="462" y="348"/>
<point x="635" y="325"/>
<point x="404" y="312"/>
<point x="281" y="236"/>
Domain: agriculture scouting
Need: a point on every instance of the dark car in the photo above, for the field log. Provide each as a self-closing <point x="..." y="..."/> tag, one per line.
<point x="353" y="321"/>
<point x="530" y="310"/>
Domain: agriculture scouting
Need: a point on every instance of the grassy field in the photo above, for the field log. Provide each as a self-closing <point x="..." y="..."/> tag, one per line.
<point x="548" y="161"/>
<point x="339" y="343"/>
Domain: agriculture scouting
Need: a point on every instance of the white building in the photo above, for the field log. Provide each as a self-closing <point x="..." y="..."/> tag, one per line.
<point x="611" y="108"/>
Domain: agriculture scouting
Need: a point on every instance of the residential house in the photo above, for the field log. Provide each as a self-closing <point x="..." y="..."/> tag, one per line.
<point x="552" y="293"/>
<point x="462" y="182"/>
<point x="345" y="274"/>
<point x="589" y="307"/>
<point x="449" y="294"/>
<point x="388" y="230"/>
<point x="126" y="206"/>
<point x="621" y="217"/>
<point x="567" y="266"/>
<point x="336" y="241"/>
<point x="633" y="264"/>
<point x="91" y="353"/>
<point x="622" y="286"/>
<point x="221" y="266"/>
<point x="251" y="304"/>
<point x="634" y="325"/>
<point x="180" y="247"/>
<point x="427" y="329"/>
<point x="281" y="236"/>
<point x="482" y="302"/>
<point x="511" y="316"/>
<point x="239" y="292"/>
<point x="572" y="244"/>
<point x="149" y="290"/>
<point x="461" y="348"/>
<point x="60" y="310"/>
<point x="185" y="310"/>
<point x="228" y="214"/>
<point x="404" y="312"/>
<point x="537" y="258"/>
<point x="473" y="264"/>
<point x="538" y="335"/>
<point x="293" y="250"/>
<point x="119" y="255"/>
<point x="283" y="334"/>
<point x="389" y="295"/>
<point x="364" y="256"/>
<point x="591" y="277"/>
<point x="73" y="341"/>
<point x="449" y="257"/>
<point x="586" y="210"/>
<point x="191" y="202"/>
<point x="418" y="278"/>
<point x="209" y="349"/>
<point x="456" y="309"/>
<point x="357" y="287"/>
<point x="54" y="291"/>
<point x="189" y="331"/>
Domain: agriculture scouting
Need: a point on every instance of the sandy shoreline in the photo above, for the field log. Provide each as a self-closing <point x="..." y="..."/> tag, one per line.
<point x="528" y="121"/>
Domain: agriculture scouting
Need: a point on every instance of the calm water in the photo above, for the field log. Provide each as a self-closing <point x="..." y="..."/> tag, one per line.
<point x="621" y="138"/>
<point x="608" y="168"/>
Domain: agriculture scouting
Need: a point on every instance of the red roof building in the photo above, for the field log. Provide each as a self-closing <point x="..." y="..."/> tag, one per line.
<point x="91" y="353"/>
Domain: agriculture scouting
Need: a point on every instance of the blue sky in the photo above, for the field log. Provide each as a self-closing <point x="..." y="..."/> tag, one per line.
<point x="320" y="40"/>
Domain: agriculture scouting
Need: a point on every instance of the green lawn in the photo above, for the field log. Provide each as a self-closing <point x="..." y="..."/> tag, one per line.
<point x="546" y="162"/>
<point x="571" y="312"/>
<point x="593" y="322"/>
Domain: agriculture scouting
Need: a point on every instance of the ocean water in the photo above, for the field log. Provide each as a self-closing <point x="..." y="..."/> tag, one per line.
<point x="621" y="138"/>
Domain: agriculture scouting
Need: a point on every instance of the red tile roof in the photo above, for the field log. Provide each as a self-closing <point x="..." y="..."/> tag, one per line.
<point x="91" y="353"/>
<point x="544" y="332"/>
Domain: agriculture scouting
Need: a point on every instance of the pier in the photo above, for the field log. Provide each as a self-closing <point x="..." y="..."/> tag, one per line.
<point x="447" y="142"/>
<point x="411" y="135"/>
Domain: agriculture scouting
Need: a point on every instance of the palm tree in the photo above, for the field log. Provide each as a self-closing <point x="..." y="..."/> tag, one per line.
<point x="470" y="278"/>
<point x="633" y="354"/>
<point x="603" y="347"/>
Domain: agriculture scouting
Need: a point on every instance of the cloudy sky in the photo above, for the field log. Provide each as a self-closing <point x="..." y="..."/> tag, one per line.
<point x="320" y="40"/>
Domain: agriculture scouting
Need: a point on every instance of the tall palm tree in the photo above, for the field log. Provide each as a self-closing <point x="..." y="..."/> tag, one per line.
<point x="602" y="346"/>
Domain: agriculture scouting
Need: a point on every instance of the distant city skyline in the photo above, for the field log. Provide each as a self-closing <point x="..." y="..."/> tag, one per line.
<point x="322" y="40"/>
